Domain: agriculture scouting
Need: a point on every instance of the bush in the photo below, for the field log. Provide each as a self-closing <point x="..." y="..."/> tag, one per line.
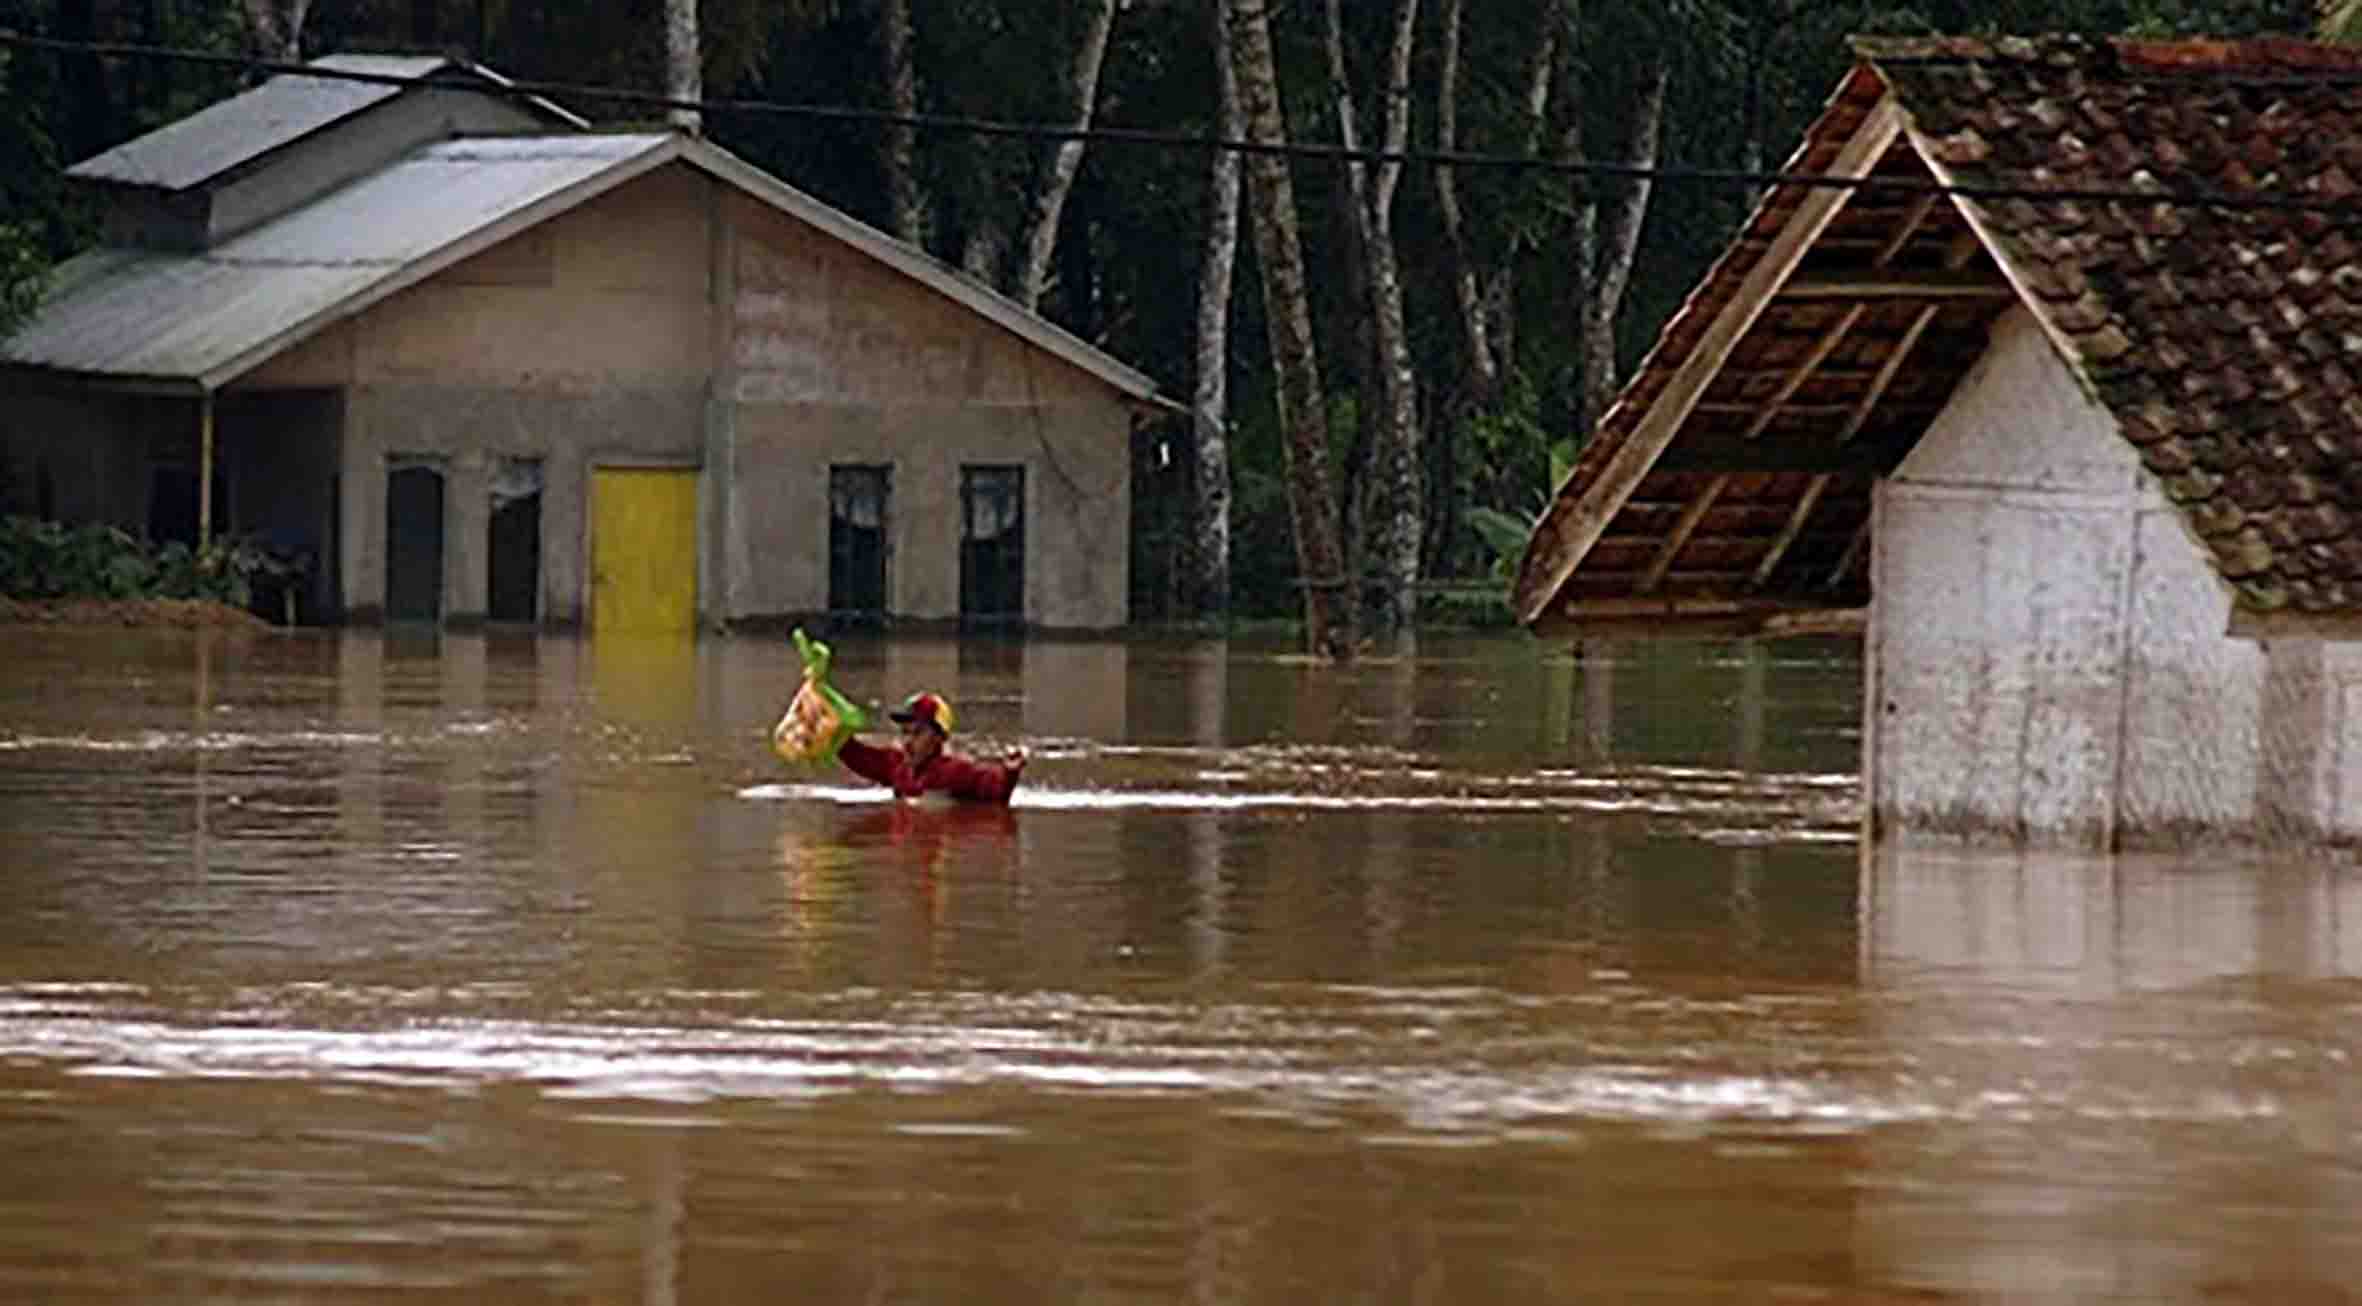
<point x="50" y="560"/>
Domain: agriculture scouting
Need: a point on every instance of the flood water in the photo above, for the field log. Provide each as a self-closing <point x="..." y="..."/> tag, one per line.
<point x="375" y="966"/>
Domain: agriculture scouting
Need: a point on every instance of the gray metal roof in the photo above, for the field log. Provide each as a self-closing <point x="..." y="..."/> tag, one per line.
<point x="204" y="317"/>
<point x="200" y="319"/>
<point x="288" y="107"/>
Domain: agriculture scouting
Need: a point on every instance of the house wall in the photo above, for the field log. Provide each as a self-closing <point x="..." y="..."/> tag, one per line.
<point x="836" y="359"/>
<point x="675" y="321"/>
<point x="2047" y="656"/>
<point x="92" y="450"/>
<point x="2312" y="740"/>
<point x="581" y="342"/>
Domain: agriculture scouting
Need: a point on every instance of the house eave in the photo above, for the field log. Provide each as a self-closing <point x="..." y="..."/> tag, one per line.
<point x="1696" y="617"/>
<point x="2329" y="627"/>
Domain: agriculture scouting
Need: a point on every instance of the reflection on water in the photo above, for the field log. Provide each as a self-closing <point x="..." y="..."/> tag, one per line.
<point x="492" y="967"/>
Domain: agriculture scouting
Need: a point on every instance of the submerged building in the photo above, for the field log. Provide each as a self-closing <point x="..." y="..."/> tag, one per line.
<point x="2061" y="407"/>
<point x="477" y="361"/>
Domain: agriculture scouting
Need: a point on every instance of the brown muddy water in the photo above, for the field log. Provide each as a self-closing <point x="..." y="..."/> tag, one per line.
<point x="479" y="968"/>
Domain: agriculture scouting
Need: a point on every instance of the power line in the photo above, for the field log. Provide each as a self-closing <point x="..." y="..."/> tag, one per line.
<point x="2196" y="197"/>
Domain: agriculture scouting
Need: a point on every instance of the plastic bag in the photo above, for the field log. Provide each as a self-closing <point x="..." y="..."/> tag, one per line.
<point x="818" y="719"/>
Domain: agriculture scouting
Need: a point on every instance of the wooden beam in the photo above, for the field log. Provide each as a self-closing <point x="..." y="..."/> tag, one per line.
<point x="1978" y="234"/>
<point x="1821" y="349"/>
<point x="1878" y="283"/>
<point x="1963" y="247"/>
<point x="1742" y="376"/>
<point x="1573" y="530"/>
<point x="1907" y="228"/>
<point x="1876" y="453"/>
<point x="204" y="471"/>
<point x="1680" y="606"/>
<point x="1886" y="373"/>
<point x="1644" y="617"/>
<point x="1788" y="533"/>
<point x="1818" y="621"/>
<point x="1846" y="560"/>
<point x="1682" y="530"/>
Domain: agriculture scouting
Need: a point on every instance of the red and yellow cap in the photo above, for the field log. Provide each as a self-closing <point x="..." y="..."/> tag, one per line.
<point x="933" y="709"/>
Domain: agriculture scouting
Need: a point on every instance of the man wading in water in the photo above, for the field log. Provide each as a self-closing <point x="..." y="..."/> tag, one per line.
<point x="923" y="765"/>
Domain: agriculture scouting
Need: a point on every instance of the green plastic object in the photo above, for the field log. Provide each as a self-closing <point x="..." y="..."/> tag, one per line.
<point x="818" y="719"/>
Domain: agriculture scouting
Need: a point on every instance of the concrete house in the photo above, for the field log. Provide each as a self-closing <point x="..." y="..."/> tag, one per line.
<point x="478" y="361"/>
<point x="2085" y="468"/>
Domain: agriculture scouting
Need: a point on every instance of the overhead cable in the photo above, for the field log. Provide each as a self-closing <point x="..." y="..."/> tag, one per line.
<point x="2156" y="193"/>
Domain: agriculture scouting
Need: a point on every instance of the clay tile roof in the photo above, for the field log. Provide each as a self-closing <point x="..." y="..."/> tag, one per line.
<point x="2225" y="340"/>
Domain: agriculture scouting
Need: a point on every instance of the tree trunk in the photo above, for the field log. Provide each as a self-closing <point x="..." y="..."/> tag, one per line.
<point x="1066" y="158"/>
<point x="1618" y="241"/>
<point x="1483" y="290"/>
<point x="898" y="152"/>
<point x="1399" y="477"/>
<point x="986" y="250"/>
<point x="684" y="72"/>
<point x="1287" y="311"/>
<point x="1209" y="582"/>
<point x="276" y="31"/>
<point x="1483" y="377"/>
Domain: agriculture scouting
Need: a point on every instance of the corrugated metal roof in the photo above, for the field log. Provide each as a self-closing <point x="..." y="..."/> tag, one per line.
<point x="248" y="125"/>
<point x="204" y="316"/>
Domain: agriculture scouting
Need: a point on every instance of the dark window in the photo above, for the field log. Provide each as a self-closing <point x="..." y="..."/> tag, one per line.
<point x="413" y="541"/>
<point x="992" y="545"/>
<point x="860" y="507"/>
<point x="515" y="552"/>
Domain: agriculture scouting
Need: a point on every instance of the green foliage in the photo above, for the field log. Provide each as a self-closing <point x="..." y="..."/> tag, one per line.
<point x="50" y="560"/>
<point x="24" y="271"/>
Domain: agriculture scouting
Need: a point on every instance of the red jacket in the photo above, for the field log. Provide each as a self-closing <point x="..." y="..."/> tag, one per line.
<point x="945" y="772"/>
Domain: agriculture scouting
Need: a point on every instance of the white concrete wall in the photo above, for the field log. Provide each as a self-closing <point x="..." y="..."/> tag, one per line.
<point x="2312" y="741"/>
<point x="2047" y="656"/>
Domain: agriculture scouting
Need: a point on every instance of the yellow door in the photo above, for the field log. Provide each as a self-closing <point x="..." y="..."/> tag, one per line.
<point x="643" y="550"/>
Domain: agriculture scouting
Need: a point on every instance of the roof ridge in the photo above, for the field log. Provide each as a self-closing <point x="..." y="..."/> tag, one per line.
<point x="2276" y="56"/>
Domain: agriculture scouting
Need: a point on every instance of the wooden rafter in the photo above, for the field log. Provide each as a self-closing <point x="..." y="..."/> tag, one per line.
<point x="1682" y="530"/>
<point x="1875" y="452"/>
<point x="1874" y="283"/>
<point x="1571" y="532"/>
<point x="1788" y="533"/>
<point x="1907" y="228"/>
<point x="1963" y="248"/>
<point x="1886" y="374"/>
<point x="1821" y="349"/>
<point x="1845" y="561"/>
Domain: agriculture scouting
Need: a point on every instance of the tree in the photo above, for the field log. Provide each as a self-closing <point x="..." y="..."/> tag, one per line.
<point x="1608" y="252"/>
<point x="1399" y="531"/>
<point x="1208" y="584"/>
<point x="1295" y="356"/>
<point x="2341" y="21"/>
<point x="1065" y="157"/>
<point x="914" y="218"/>
<point x="1483" y="284"/>
<point x="684" y="74"/>
<point x="275" y="28"/>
